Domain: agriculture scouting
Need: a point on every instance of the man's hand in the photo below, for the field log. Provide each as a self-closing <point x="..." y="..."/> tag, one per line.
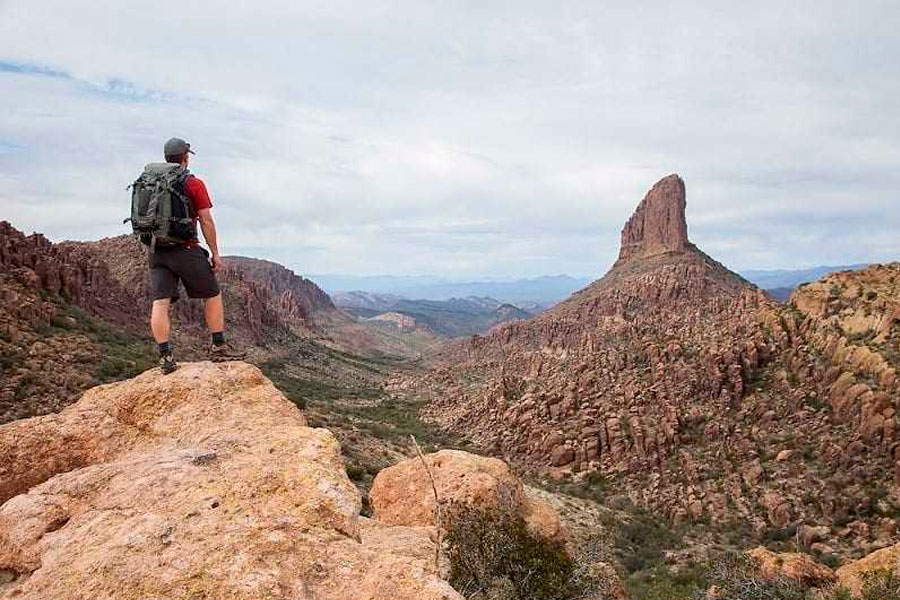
<point x="215" y="261"/>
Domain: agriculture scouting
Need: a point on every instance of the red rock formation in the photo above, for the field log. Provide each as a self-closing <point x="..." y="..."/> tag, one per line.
<point x="47" y="356"/>
<point x="658" y="225"/>
<point x="679" y="381"/>
<point x="64" y="273"/>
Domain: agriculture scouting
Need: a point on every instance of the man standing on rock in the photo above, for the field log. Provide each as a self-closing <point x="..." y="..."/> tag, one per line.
<point x="190" y="264"/>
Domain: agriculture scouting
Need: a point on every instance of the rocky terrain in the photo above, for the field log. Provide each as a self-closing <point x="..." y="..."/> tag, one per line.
<point x="79" y="310"/>
<point x="146" y="489"/>
<point x="780" y="283"/>
<point x="687" y="389"/>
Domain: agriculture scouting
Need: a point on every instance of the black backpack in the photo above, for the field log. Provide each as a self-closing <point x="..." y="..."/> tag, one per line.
<point x="161" y="213"/>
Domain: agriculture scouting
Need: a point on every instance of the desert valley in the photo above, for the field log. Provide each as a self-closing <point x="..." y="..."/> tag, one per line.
<point x="665" y="420"/>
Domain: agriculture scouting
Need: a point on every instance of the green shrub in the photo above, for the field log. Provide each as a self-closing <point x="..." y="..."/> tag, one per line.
<point x="880" y="585"/>
<point x="494" y="557"/>
<point x="737" y="577"/>
<point x="642" y="540"/>
<point x="665" y="583"/>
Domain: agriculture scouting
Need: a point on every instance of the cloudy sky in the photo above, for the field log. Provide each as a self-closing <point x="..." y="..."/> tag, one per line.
<point x="466" y="139"/>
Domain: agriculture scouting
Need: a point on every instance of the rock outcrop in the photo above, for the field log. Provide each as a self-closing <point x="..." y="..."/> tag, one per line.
<point x="659" y="224"/>
<point x="851" y="576"/>
<point x="693" y="393"/>
<point x="33" y="266"/>
<point x="793" y="565"/>
<point x="204" y="483"/>
<point x="403" y="494"/>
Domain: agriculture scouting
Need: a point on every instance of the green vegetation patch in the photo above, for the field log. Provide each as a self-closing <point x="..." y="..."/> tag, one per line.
<point x="664" y="582"/>
<point x="120" y="353"/>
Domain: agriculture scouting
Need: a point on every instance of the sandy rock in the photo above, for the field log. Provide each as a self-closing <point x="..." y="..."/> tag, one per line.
<point x="850" y="575"/>
<point x="203" y="483"/>
<point x="402" y="494"/>
<point x="793" y="565"/>
<point x="809" y="534"/>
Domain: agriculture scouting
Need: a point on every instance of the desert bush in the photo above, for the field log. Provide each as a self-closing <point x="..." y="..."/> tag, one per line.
<point x="737" y="577"/>
<point x="878" y="585"/>
<point x="642" y="539"/>
<point x="664" y="582"/>
<point x="494" y="557"/>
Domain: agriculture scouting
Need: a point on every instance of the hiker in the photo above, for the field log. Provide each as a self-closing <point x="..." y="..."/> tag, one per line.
<point x="167" y="203"/>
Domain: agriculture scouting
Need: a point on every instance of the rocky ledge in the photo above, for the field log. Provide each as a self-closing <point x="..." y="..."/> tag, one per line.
<point x="205" y="483"/>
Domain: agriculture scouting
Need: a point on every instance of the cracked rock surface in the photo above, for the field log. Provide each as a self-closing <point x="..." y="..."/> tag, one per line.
<point x="203" y="483"/>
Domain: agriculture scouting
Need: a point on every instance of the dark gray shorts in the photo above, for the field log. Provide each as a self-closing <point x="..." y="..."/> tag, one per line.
<point x="190" y="266"/>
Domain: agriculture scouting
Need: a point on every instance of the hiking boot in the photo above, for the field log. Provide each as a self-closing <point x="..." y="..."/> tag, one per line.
<point x="225" y="352"/>
<point x="167" y="363"/>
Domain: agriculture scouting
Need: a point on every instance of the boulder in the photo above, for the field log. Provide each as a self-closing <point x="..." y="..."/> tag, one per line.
<point x="793" y="565"/>
<point x="851" y="575"/>
<point x="402" y="494"/>
<point x="203" y="483"/>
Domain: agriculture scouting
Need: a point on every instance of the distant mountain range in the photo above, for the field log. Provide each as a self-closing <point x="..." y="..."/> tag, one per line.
<point x="455" y="317"/>
<point x="524" y="293"/>
<point x="537" y="293"/>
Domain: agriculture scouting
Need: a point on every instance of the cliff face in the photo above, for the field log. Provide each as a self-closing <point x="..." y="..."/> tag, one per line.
<point x="32" y="265"/>
<point x="689" y="390"/>
<point x="658" y="225"/>
<point x="294" y="296"/>
<point x="262" y="297"/>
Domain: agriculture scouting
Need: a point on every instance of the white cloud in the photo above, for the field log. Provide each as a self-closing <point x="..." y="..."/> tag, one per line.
<point x="466" y="138"/>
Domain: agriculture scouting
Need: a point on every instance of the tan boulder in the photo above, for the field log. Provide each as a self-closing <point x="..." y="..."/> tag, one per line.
<point x="793" y="565"/>
<point x="203" y="483"/>
<point x="850" y="575"/>
<point x="402" y="494"/>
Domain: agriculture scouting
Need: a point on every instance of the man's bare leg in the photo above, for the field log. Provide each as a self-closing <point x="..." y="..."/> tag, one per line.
<point x="214" y="311"/>
<point x="159" y="320"/>
<point x="161" y="326"/>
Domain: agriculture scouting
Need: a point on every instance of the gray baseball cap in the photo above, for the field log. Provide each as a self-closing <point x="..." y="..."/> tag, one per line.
<point x="176" y="146"/>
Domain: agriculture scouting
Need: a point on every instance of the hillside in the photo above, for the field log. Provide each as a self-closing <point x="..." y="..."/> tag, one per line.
<point x="80" y="310"/>
<point x="789" y="279"/>
<point x="684" y="388"/>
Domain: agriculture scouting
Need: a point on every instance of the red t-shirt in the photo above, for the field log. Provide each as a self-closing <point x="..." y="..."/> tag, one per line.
<point x="199" y="197"/>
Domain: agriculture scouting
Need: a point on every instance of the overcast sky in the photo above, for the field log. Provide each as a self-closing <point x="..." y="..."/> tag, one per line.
<point x="467" y="139"/>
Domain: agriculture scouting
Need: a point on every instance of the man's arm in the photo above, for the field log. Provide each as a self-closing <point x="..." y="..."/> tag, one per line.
<point x="208" y="227"/>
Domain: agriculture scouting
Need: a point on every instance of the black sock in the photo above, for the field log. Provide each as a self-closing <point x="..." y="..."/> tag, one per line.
<point x="164" y="349"/>
<point x="218" y="338"/>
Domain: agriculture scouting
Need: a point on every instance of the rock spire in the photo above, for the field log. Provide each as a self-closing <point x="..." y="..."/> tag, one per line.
<point x="658" y="225"/>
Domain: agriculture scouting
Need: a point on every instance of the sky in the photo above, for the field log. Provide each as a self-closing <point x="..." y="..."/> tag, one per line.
<point x="480" y="139"/>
